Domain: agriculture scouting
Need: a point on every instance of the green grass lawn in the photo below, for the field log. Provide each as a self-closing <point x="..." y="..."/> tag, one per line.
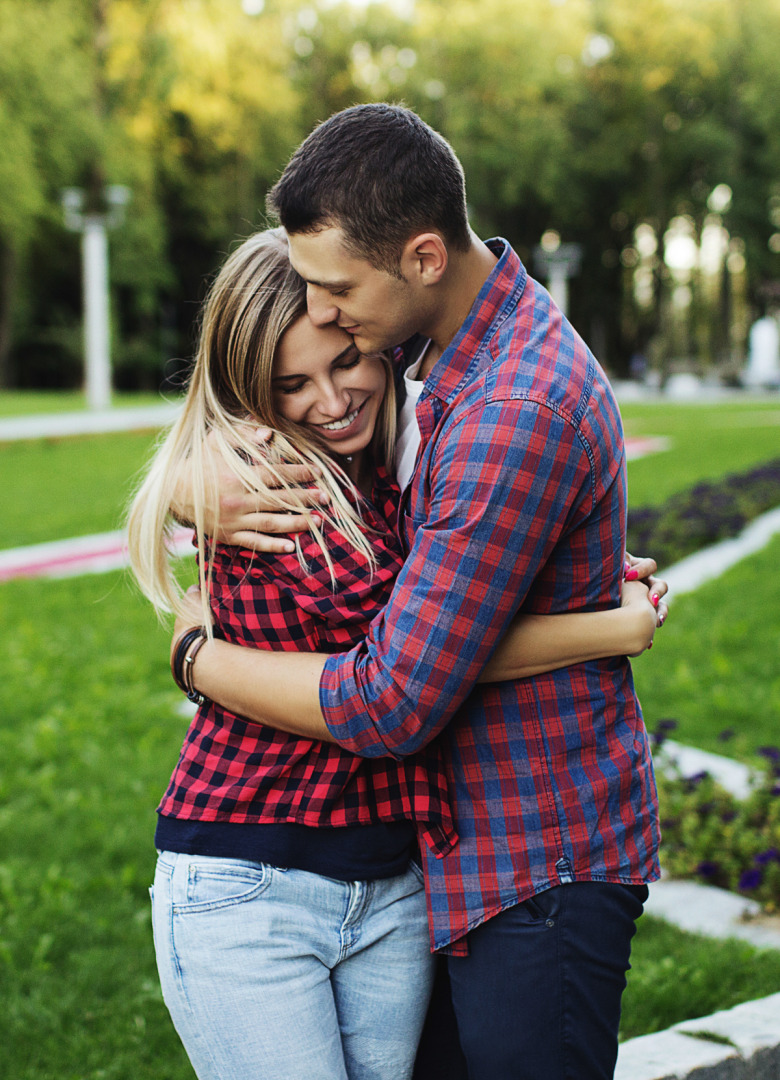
<point x="88" y="736"/>
<point x="707" y="441"/>
<point x="57" y="488"/>
<point x="715" y="665"/>
<point x="678" y="976"/>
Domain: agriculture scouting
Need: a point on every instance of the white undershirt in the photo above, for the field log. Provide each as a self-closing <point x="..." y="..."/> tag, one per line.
<point x="408" y="429"/>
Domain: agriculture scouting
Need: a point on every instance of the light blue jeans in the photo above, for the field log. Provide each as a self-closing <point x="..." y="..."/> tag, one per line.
<point x="274" y="974"/>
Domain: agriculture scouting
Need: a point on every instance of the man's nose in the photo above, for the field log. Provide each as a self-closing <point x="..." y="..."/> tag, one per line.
<point x="322" y="309"/>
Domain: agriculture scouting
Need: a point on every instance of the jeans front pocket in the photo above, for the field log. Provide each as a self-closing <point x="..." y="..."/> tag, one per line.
<point x="543" y="906"/>
<point x="203" y="883"/>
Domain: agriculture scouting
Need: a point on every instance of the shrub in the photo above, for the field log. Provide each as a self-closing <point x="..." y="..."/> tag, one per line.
<point x="710" y="835"/>
<point x="710" y="511"/>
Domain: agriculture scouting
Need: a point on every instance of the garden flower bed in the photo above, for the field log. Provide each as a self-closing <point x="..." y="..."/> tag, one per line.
<point x="714" y="837"/>
<point x="705" y="514"/>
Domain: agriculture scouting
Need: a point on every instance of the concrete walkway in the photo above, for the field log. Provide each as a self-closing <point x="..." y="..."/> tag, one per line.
<point x="60" y="425"/>
<point x="82" y="555"/>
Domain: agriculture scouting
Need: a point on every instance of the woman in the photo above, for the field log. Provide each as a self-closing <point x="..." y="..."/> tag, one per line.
<point x="289" y="916"/>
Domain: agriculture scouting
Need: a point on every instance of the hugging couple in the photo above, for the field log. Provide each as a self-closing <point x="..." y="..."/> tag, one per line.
<point x="414" y="817"/>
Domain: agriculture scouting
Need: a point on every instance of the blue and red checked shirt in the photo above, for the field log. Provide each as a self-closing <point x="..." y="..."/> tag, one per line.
<point x="233" y="771"/>
<point x="517" y="503"/>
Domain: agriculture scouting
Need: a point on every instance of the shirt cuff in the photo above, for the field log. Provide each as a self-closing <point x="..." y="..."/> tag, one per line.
<point x="344" y="708"/>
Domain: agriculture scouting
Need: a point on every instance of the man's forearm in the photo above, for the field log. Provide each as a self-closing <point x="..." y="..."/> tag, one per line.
<point x="280" y="689"/>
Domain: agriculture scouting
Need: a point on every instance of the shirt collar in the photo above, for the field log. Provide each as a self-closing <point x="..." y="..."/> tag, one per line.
<point x="498" y="296"/>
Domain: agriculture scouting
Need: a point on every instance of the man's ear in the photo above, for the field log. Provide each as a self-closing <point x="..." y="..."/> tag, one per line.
<point x="424" y="258"/>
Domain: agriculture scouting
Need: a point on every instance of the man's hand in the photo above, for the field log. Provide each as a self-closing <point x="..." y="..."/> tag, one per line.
<point x="240" y="517"/>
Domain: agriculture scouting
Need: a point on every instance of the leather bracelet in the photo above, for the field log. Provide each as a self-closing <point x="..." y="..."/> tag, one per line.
<point x="189" y="661"/>
<point x="182" y="648"/>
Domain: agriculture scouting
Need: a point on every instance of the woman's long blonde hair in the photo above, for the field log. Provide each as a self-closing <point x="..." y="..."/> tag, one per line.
<point x="255" y="297"/>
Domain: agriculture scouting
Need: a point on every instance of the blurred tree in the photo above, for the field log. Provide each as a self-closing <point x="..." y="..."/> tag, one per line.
<point x="47" y="132"/>
<point x="188" y="105"/>
<point x="202" y="91"/>
<point x="604" y="121"/>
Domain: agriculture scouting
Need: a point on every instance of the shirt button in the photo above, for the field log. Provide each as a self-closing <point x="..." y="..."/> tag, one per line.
<point x="550" y="924"/>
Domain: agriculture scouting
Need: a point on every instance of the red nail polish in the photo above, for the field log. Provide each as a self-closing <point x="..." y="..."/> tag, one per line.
<point x="650" y="645"/>
<point x="632" y="574"/>
<point x="654" y="599"/>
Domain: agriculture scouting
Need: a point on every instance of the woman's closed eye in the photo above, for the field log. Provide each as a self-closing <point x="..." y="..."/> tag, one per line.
<point x="291" y="387"/>
<point x="350" y="362"/>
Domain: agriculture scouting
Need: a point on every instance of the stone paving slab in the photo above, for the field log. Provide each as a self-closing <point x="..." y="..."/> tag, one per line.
<point x="753" y="1028"/>
<point x="734" y="776"/>
<point x="747" y="1047"/>
<point x="670" y="1055"/>
<point x="706" y="909"/>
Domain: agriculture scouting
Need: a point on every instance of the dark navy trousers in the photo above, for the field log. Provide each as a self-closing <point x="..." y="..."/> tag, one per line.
<point x="538" y="996"/>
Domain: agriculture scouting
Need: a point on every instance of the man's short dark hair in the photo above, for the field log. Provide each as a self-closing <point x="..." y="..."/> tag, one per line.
<point x="379" y="173"/>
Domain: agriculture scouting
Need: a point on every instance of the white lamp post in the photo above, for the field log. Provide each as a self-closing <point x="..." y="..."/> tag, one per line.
<point x="93" y="227"/>
<point x="557" y="262"/>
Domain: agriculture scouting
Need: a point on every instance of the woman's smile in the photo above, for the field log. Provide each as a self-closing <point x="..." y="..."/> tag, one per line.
<point x="339" y="425"/>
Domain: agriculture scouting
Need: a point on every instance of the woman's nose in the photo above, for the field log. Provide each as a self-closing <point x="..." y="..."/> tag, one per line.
<point x="336" y="401"/>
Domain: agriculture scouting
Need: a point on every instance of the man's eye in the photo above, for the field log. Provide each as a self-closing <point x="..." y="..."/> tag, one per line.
<point x="339" y="292"/>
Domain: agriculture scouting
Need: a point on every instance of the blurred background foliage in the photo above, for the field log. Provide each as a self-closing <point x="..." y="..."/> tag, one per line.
<point x="644" y="130"/>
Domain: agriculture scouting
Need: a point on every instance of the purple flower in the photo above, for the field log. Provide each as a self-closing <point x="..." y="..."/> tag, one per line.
<point x="667" y="725"/>
<point x="770" y="855"/>
<point x="707" y="869"/>
<point x="726" y="734"/>
<point x="775" y="790"/>
<point x="750" y="879"/>
<point x="693" y="781"/>
<point x="727" y="816"/>
<point x="770" y="752"/>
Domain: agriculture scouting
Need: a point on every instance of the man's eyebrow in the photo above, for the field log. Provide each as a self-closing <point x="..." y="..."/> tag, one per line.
<point x="331" y="286"/>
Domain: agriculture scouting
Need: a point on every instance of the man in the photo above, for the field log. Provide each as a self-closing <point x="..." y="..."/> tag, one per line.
<point x="513" y="470"/>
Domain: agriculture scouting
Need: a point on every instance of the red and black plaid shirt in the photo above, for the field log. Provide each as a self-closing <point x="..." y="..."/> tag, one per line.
<point x="232" y="770"/>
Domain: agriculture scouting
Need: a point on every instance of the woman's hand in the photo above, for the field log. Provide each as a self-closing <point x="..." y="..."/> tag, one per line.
<point x="645" y="612"/>
<point x="643" y="569"/>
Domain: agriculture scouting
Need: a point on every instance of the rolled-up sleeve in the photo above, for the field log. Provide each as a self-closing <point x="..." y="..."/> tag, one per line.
<point x="506" y="479"/>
